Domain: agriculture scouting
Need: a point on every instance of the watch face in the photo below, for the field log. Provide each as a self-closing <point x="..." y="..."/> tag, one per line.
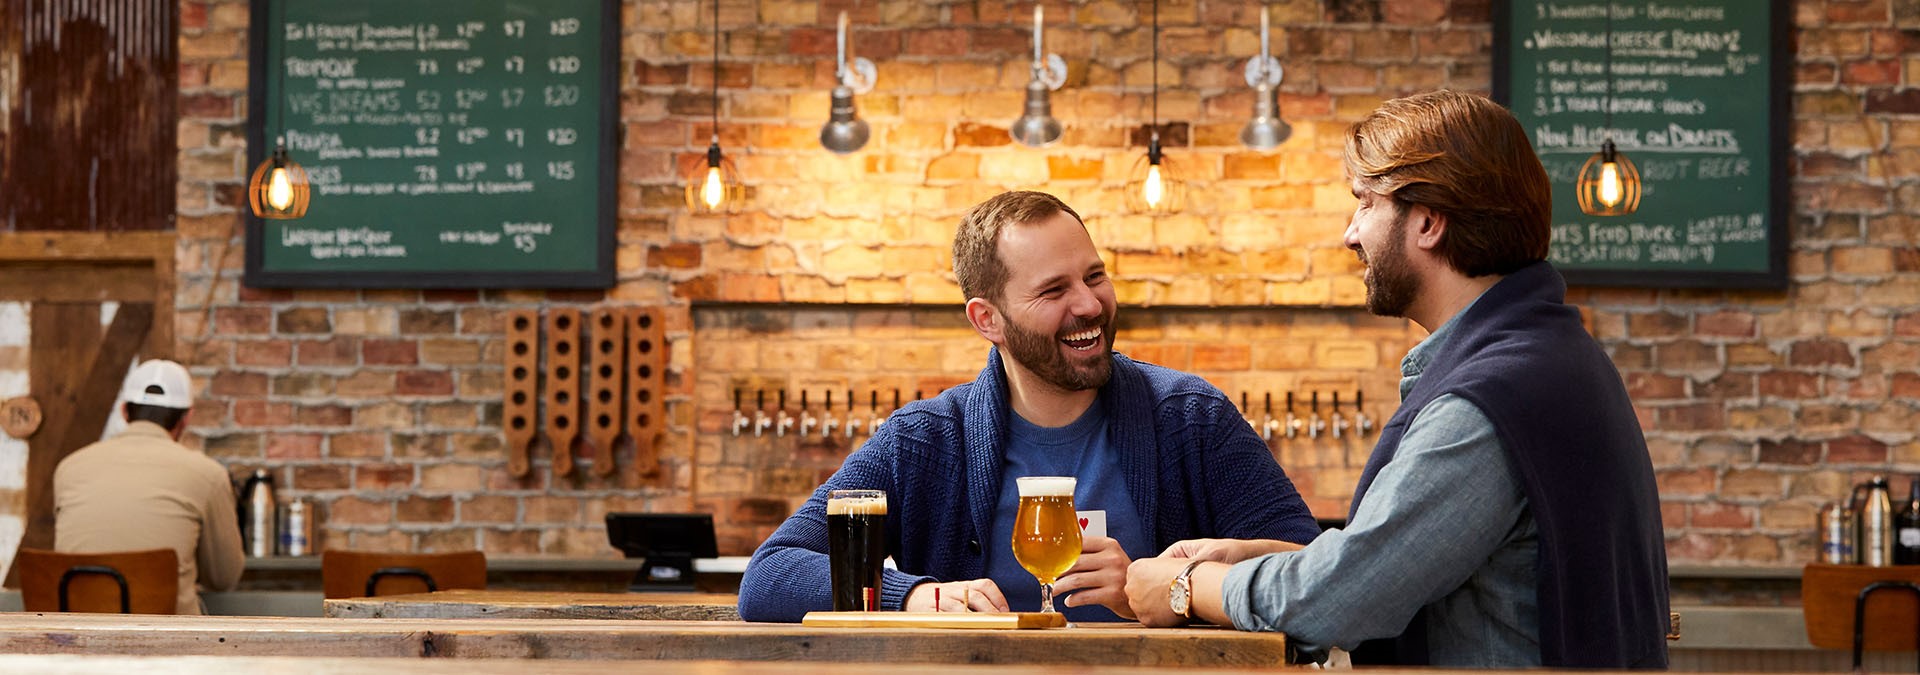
<point x="1177" y="597"/>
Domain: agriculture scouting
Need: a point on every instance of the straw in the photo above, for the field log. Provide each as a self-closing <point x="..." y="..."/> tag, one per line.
<point x="936" y="598"/>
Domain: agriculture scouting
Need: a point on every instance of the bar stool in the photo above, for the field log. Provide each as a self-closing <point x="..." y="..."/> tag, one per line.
<point x="1861" y="608"/>
<point x="358" y="574"/>
<point x="127" y="582"/>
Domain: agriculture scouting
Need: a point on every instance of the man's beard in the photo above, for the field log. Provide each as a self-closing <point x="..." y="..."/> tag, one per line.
<point x="1391" y="283"/>
<point x="1040" y="353"/>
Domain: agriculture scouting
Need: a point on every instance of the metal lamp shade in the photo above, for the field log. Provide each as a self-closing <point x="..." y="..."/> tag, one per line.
<point x="1036" y="128"/>
<point x="713" y="186"/>
<point x="278" y="189"/>
<point x="1266" y="130"/>
<point x="1601" y="194"/>
<point x="844" y="132"/>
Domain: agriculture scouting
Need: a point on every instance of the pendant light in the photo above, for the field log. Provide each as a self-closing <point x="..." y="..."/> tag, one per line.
<point x="278" y="188"/>
<point x="1609" y="183"/>
<point x="714" y="186"/>
<point x="1152" y="186"/>
<point x="845" y="132"/>
<point x="1038" y="128"/>
<point x="1266" y="130"/>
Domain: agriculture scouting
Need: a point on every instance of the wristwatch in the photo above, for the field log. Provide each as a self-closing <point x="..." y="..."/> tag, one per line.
<point x="1180" y="592"/>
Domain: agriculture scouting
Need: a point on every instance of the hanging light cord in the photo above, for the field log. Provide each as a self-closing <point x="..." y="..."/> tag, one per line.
<point x="1608" y="112"/>
<point x="716" y="71"/>
<point x="1156" y="68"/>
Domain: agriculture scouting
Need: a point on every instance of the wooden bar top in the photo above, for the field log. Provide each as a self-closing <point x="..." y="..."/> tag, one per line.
<point x="507" y="604"/>
<point x="317" y="665"/>
<point x="1117" y="644"/>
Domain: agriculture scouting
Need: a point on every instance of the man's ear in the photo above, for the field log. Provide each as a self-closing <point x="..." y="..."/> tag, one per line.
<point x="1430" y="227"/>
<point x="180" y="428"/>
<point x="985" y="319"/>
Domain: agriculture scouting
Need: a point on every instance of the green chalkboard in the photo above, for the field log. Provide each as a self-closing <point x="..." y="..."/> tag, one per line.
<point x="1699" y="92"/>
<point x="449" y="143"/>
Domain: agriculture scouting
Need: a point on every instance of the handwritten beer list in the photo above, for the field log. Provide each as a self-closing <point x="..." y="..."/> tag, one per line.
<point x="471" y="138"/>
<point x="1689" y="108"/>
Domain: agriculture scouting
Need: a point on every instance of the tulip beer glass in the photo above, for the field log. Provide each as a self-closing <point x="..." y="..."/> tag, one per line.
<point x="1046" y="533"/>
<point x="856" y="547"/>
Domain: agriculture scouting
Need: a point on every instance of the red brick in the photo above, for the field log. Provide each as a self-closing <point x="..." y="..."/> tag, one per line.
<point x="357" y="445"/>
<point x="675" y="256"/>
<point x="304" y="320"/>
<point x="353" y="510"/>
<point x="217" y="106"/>
<point x="1684" y="482"/>
<point x="1856" y="449"/>
<point x="1870" y="73"/>
<point x="378" y="352"/>
<point x="418" y="509"/>
<point x="1891" y="101"/>
<point x="971" y="134"/>
<point x="1789" y="451"/>
<point x="242" y="320"/>
<point x="1222" y="357"/>
<point x="1861" y="11"/>
<point x="1687" y="355"/>
<point x="1906" y="385"/>
<point x="323" y="415"/>
<point x="368" y="477"/>
<point x="936" y="42"/>
<point x="293" y="446"/>
<point x="1719" y="515"/>
<point x="262" y="353"/>
<point x="1726" y="386"/>
<point x="236" y="383"/>
<point x="423" y="383"/>
<point x="1693" y="417"/>
<point x="415" y="321"/>
<point x="1641" y="385"/>
<point x="320" y="477"/>
<point x="260" y="413"/>
<point x="335" y="351"/>
<point x="1726" y="323"/>
<point x="1789" y="384"/>
<point x="1820" y="353"/>
<point x="1908" y="325"/>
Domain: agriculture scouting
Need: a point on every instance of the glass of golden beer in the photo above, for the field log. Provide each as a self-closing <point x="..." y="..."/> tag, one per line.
<point x="856" y="547"/>
<point x="1046" y="533"/>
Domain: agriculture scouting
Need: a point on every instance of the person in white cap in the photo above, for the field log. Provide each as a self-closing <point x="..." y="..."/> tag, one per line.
<point x="142" y="489"/>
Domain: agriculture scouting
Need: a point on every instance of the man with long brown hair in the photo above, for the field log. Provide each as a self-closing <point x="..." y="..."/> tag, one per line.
<point x="1163" y="453"/>
<point x="1508" y="516"/>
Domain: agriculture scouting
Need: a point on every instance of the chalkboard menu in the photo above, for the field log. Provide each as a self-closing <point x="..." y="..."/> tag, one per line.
<point x="449" y="143"/>
<point x="1699" y="95"/>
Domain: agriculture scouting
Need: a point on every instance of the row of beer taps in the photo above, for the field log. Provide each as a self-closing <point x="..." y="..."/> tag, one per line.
<point x="1290" y="426"/>
<point x="825" y="424"/>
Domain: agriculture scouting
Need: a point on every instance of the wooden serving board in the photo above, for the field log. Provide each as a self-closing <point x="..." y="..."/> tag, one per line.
<point x="973" y="620"/>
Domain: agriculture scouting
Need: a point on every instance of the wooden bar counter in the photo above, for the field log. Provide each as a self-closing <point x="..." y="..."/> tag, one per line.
<point x="507" y="604"/>
<point x="1097" y="645"/>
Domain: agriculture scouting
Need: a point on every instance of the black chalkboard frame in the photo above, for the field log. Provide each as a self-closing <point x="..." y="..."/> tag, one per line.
<point x="256" y="275"/>
<point x="1779" y="109"/>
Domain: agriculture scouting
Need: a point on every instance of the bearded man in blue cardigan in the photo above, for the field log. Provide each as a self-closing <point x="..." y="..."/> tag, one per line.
<point x="1163" y="453"/>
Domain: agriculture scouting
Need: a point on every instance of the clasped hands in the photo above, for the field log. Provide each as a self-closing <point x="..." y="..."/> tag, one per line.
<point x="1104" y="575"/>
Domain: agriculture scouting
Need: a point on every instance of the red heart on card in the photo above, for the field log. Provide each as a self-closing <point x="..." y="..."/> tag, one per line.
<point x="1083" y="523"/>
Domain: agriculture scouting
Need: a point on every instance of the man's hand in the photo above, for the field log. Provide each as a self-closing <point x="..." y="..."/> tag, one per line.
<point x="977" y="595"/>
<point x="1148" y="580"/>
<point x="1228" y="551"/>
<point x="1100" y="576"/>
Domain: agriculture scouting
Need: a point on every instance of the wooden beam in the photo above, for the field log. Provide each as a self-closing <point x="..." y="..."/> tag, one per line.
<point x="118" y="281"/>
<point x="86" y="245"/>
<point x="76" y="375"/>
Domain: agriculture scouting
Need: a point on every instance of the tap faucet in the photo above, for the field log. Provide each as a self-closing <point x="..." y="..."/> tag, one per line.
<point x="1267" y="427"/>
<point x="874" y="420"/>
<point x="1340" y="423"/>
<point x="853" y="423"/>
<point x="807" y="420"/>
<point x="761" y="422"/>
<point x="1317" y="423"/>
<point x="827" y="422"/>
<point x="1361" y="422"/>
<point x="1246" y="412"/>
<point x="1294" y="423"/>
<point x="785" y="421"/>
<point x="740" y="420"/>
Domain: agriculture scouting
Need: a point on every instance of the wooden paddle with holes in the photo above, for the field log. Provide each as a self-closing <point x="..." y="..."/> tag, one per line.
<point x="646" y="382"/>
<point x="606" y="363"/>
<point x="523" y="366"/>
<point x="563" y="386"/>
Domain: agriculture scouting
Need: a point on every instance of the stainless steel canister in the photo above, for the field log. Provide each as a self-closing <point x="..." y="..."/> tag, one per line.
<point x="1836" y="534"/>
<point x="296" y="534"/>
<point x="1876" y="524"/>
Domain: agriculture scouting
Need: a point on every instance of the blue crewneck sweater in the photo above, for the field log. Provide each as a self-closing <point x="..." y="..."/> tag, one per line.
<point x="1193" y="469"/>
<point x="1523" y="357"/>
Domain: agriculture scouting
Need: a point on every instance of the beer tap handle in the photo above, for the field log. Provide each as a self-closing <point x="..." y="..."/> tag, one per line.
<point x="1360" y="419"/>
<point x="827" y="422"/>
<point x="1246" y="412"/>
<point x="1269" y="424"/>
<point x="807" y="420"/>
<point x="740" y="420"/>
<point x="786" y="421"/>
<point x="760" y="419"/>
<point x="1340" y="423"/>
<point x="1316" y="424"/>
<point x="873" y="410"/>
<point x="1293" y="421"/>
<point x="853" y="423"/>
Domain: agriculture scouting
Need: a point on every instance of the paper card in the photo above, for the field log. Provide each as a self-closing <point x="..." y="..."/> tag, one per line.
<point x="1093" y="523"/>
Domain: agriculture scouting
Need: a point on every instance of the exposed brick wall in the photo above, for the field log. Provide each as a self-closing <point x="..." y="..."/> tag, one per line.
<point x="383" y="406"/>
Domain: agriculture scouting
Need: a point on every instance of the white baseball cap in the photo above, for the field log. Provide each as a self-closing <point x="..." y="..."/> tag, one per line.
<point x="174" y="386"/>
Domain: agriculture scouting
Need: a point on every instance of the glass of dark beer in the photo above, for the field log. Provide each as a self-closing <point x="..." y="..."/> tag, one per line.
<point x="856" y="547"/>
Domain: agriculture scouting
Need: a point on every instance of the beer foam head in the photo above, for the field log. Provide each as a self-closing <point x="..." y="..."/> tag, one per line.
<point x="857" y="506"/>
<point x="1046" y="486"/>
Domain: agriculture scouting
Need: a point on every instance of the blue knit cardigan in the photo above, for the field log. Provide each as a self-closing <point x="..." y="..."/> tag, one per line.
<point x="1193" y="467"/>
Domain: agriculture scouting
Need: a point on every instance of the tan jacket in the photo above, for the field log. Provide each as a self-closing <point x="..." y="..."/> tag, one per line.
<point x="141" y="490"/>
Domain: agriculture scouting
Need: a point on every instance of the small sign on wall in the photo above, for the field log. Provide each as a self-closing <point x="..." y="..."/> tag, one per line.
<point x="20" y="417"/>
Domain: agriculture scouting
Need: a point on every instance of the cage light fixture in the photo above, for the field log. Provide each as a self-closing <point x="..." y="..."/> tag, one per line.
<point x="278" y="188"/>
<point x="1037" y="126"/>
<point x="844" y="131"/>
<point x="1153" y="187"/>
<point x="1609" y="183"/>
<point x="1266" y="130"/>
<point x="713" y="186"/>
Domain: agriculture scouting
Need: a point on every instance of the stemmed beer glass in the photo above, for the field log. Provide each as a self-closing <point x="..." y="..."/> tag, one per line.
<point x="1046" y="533"/>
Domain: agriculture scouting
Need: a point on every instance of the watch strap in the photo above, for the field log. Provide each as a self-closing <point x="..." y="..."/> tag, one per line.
<point x="1185" y="581"/>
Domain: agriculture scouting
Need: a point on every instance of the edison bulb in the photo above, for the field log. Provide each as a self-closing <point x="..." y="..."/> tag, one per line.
<point x="1610" y="183"/>
<point x="713" y="191"/>
<point x="1154" y="188"/>
<point x="279" y="189"/>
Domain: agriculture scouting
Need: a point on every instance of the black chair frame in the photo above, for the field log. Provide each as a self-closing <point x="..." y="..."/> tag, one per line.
<point x="373" y="580"/>
<point x="1860" y="615"/>
<point x="126" y="598"/>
